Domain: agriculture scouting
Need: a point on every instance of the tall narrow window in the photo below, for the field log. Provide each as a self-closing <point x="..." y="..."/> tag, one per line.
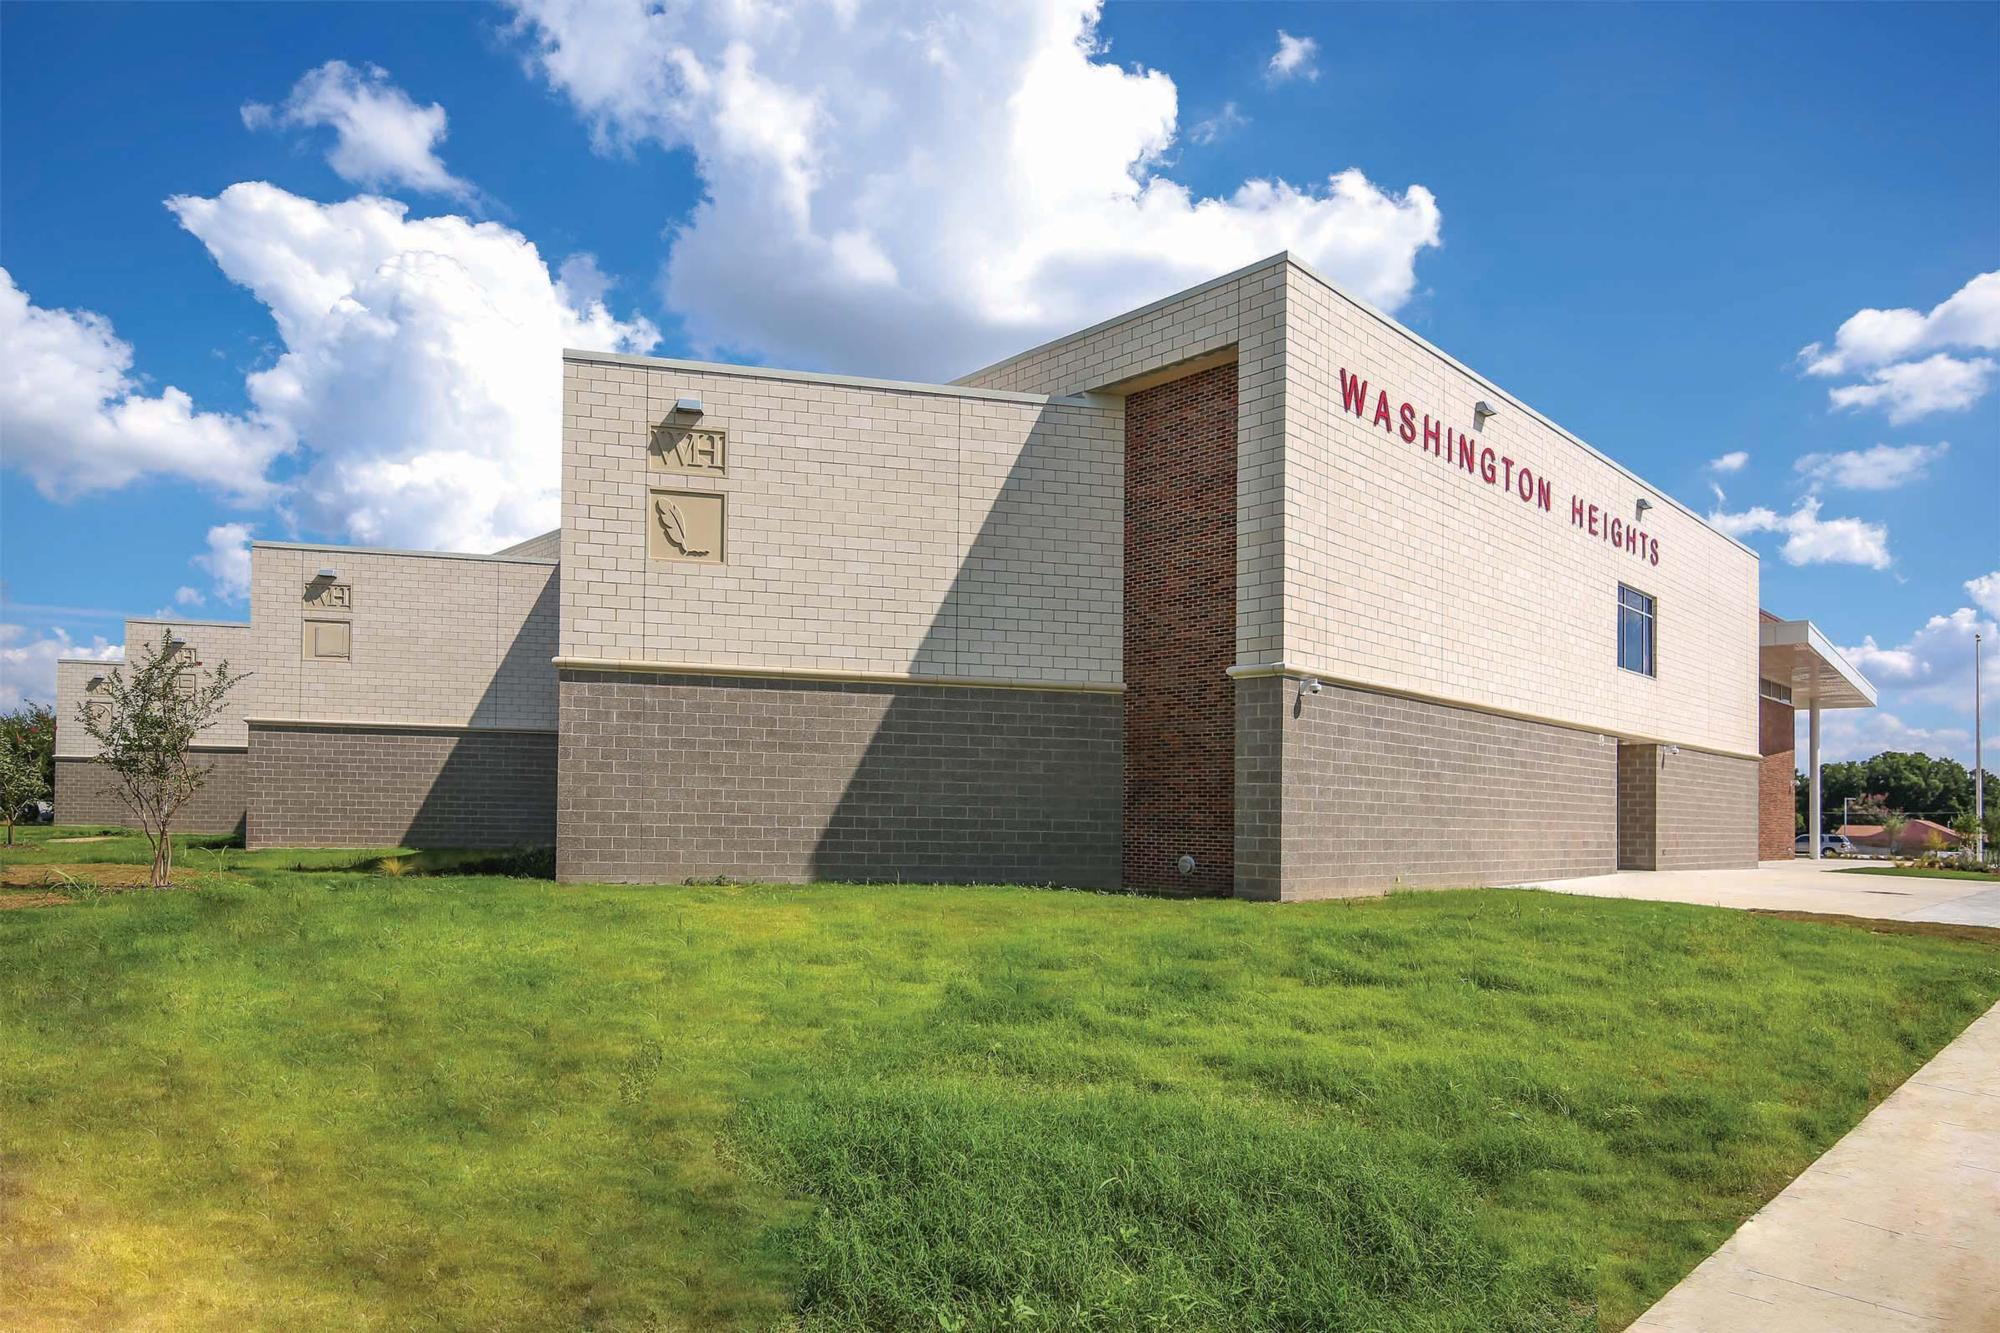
<point x="1635" y="630"/>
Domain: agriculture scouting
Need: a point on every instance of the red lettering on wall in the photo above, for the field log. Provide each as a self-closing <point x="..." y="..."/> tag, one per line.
<point x="1353" y="393"/>
<point x="1459" y="449"/>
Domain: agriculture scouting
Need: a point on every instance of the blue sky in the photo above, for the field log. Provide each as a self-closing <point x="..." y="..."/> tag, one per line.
<point x="1634" y="217"/>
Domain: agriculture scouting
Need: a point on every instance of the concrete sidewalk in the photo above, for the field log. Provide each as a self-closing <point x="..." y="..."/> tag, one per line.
<point x="1896" y="1228"/>
<point x="1800" y="886"/>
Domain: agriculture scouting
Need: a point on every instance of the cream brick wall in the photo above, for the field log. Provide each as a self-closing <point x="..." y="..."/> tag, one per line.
<point x="1244" y="310"/>
<point x="872" y="528"/>
<point x="1404" y="572"/>
<point x="443" y="639"/>
<point x="72" y="678"/>
<point x="1369" y="560"/>
<point x="213" y="642"/>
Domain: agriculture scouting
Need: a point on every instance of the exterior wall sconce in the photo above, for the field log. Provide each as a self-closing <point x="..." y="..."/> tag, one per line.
<point x="687" y="407"/>
<point x="93" y="682"/>
<point x="1644" y="505"/>
<point x="327" y="572"/>
<point x="1482" y="410"/>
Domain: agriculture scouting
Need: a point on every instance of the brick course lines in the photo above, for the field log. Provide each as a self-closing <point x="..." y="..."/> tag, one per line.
<point x="1708" y="811"/>
<point x="87" y="793"/>
<point x="1686" y="809"/>
<point x="1777" y="805"/>
<point x="1373" y="791"/>
<point x="1638" y="806"/>
<point x="666" y="778"/>
<point x="314" y="786"/>
<point x="1180" y="633"/>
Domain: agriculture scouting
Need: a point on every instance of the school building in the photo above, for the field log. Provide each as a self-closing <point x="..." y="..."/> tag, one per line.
<point x="1249" y="591"/>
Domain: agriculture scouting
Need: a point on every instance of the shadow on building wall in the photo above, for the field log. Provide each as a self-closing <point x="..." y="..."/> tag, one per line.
<point x="966" y="783"/>
<point x="490" y="788"/>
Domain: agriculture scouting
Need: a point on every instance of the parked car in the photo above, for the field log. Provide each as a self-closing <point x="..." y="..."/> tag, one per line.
<point x="1830" y="844"/>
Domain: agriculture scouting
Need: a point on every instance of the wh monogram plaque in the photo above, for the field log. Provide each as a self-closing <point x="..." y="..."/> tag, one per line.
<point x="698" y="449"/>
<point x="324" y="596"/>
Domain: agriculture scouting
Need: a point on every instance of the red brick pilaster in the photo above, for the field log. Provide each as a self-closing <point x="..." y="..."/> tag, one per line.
<point x="1776" y="804"/>
<point x="1180" y="633"/>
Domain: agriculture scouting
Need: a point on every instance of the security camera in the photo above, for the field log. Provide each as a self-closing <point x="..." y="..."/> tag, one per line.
<point x="1310" y="685"/>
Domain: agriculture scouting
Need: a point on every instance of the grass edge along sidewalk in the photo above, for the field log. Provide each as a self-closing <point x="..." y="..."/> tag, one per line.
<point x="323" y="1097"/>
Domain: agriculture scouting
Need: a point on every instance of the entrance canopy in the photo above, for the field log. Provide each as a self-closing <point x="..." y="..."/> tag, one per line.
<point x="1794" y="654"/>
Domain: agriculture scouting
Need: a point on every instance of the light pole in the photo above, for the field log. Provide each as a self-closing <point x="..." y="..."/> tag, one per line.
<point x="1978" y="759"/>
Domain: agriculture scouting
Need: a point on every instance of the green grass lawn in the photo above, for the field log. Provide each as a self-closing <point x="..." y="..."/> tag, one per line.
<point x="1922" y="872"/>
<point x="321" y="1098"/>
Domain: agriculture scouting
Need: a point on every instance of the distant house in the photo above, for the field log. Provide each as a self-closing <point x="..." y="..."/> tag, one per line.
<point x="1915" y="836"/>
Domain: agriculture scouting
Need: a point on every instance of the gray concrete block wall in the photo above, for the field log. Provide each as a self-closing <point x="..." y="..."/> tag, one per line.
<point x="87" y="793"/>
<point x="1376" y="791"/>
<point x="1260" y="787"/>
<point x="346" y="786"/>
<point x="1638" y="806"/>
<point x="1707" y="812"/>
<point x="669" y="777"/>
<point x="1685" y="809"/>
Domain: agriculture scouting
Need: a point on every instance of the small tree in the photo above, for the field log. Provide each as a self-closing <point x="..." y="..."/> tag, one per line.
<point x="144" y="717"/>
<point x="1892" y="829"/>
<point x="21" y="778"/>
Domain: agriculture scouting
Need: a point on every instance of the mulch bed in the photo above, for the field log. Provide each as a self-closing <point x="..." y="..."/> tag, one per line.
<point x="1949" y="930"/>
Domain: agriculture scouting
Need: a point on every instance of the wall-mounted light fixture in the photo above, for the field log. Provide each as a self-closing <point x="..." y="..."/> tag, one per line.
<point x="687" y="407"/>
<point x="1644" y="505"/>
<point x="176" y="641"/>
<point x="1480" y="411"/>
<point x="327" y="572"/>
<point x="1186" y="865"/>
<point x="93" y="682"/>
<point x="1310" y="685"/>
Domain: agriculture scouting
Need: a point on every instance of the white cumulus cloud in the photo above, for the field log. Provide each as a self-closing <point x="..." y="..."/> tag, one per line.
<point x="1885" y="347"/>
<point x="381" y="137"/>
<point x="1934" y="665"/>
<point x="1985" y="592"/>
<point x="1884" y="467"/>
<point x="1732" y="461"/>
<point x="1810" y="539"/>
<point x="1295" y="58"/>
<point x="903" y="190"/>
<point x="1220" y="125"/>
<point x="1913" y="389"/>
<point x="76" y="419"/>
<point x="185" y="596"/>
<point x="1970" y="317"/>
<point x="28" y="663"/>
<point x="421" y="370"/>
<point x="227" y="561"/>
<point x="1863" y="733"/>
